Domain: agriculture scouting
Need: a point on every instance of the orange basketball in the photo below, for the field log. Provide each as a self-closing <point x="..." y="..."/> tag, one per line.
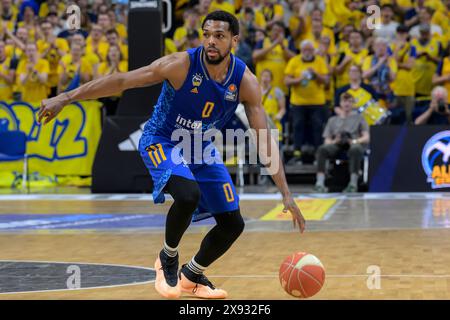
<point x="302" y="275"/>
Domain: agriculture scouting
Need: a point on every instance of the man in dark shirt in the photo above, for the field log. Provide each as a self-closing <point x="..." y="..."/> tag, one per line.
<point x="438" y="111"/>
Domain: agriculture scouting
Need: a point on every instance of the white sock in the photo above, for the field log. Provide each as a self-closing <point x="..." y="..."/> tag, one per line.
<point x="195" y="267"/>
<point x="171" y="252"/>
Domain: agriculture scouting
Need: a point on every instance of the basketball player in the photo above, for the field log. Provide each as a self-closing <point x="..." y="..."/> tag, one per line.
<point x="201" y="88"/>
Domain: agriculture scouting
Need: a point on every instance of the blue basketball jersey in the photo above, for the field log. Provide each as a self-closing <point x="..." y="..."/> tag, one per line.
<point x="200" y="104"/>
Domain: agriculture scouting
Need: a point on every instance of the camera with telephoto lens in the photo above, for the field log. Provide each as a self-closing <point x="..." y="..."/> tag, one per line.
<point x="441" y="106"/>
<point x="307" y="77"/>
<point x="345" y="140"/>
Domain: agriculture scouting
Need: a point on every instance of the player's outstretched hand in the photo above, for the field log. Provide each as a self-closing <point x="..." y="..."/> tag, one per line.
<point x="51" y="107"/>
<point x="297" y="217"/>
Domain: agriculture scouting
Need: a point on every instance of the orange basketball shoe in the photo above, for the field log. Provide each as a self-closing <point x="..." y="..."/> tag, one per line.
<point x="166" y="282"/>
<point x="198" y="285"/>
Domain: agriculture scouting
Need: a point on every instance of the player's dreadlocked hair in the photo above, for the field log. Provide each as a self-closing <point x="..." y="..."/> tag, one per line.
<point x="226" y="17"/>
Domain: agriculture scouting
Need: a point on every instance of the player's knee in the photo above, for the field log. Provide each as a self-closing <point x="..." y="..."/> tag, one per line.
<point x="188" y="197"/>
<point x="232" y="223"/>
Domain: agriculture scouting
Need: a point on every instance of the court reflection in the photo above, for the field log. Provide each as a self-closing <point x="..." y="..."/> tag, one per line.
<point x="436" y="214"/>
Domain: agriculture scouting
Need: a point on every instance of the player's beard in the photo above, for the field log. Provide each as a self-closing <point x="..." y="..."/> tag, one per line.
<point x="219" y="58"/>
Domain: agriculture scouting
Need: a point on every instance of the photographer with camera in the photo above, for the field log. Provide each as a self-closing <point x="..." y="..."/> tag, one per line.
<point x="438" y="112"/>
<point x="346" y="132"/>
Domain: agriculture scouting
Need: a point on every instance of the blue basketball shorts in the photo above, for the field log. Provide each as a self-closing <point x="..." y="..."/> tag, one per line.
<point x="164" y="159"/>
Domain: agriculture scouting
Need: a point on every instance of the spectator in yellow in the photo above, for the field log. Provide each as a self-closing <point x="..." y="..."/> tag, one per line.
<point x="295" y="23"/>
<point x="367" y="32"/>
<point x="104" y="21"/>
<point x="8" y="11"/>
<point x="305" y="18"/>
<point x="248" y="27"/>
<point x="403" y="86"/>
<point x="427" y="52"/>
<point x="221" y="5"/>
<point x="6" y="74"/>
<point x="44" y="9"/>
<point x="412" y="15"/>
<point x="29" y="23"/>
<point x="114" y="64"/>
<point x="356" y="14"/>
<point x="273" y="101"/>
<point x="442" y="19"/>
<point x="169" y="46"/>
<point x="113" y="38"/>
<point x="344" y="37"/>
<point x="16" y="48"/>
<point x="272" y="11"/>
<point x="202" y="8"/>
<point x="74" y="70"/>
<point x="95" y="43"/>
<point x="32" y="75"/>
<point x="323" y="51"/>
<point x="52" y="49"/>
<point x="57" y="23"/>
<point x="193" y="40"/>
<point x="190" y="24"/>
<point x="425" y="15"/>
<point x="379" y="70"/>
<point x="273" y="53"/>
<point x="364" y="95"/>
<point x="307" y="75"/>
<point x="91" y="57"/>
<point x="338" y="12"/>
<point x="317" y="32"/>
<point x="8" y="14"/>
<point x="260" y="21"/>
<point x="119" y="27"/>
<point x="354" y="54"/>
<point x="442" y="75"/>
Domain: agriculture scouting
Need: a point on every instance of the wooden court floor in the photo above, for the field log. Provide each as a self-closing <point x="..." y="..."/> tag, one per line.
<point x="414" y="262"/>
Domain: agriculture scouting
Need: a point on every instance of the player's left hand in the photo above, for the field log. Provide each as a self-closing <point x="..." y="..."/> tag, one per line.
<point x="51" y="107"/>
<point x="297" y="217"/>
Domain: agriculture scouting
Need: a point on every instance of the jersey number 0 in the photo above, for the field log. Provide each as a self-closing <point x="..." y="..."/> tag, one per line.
<point x="207" y="109"/>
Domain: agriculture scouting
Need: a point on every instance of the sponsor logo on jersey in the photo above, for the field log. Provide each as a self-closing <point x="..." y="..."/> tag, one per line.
<point x="188" y="123"/>
<point x="197" y="80"/>
<point x="231" y="93"/>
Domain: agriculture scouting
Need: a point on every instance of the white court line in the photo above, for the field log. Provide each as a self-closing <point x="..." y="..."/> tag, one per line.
<point x="268" y="276"/>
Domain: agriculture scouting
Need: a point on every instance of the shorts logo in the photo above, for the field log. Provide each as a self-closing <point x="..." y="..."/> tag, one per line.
<point x="231" y="93"/>
<point x="435" y="160"/>
<point x="228" y="192"/>
<point x="156" y="154"/>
